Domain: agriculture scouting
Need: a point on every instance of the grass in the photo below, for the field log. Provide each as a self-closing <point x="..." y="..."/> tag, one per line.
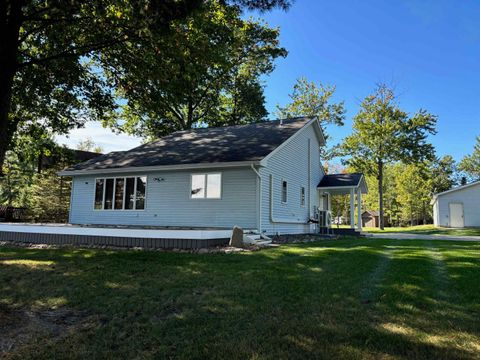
<point x="349" y="298"/>
<point x="426" y="230"/>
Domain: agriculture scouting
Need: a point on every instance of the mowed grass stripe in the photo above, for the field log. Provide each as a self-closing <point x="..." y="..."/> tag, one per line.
<point x="370" y="291"/>
<point x="295" y="301"/>
<point x="409" y="313"/>
<point x="462" y="263"/>
<point x="301" y="328"/>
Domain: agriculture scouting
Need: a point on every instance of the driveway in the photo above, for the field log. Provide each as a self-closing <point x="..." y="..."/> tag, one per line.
<point x="411" y="236"/>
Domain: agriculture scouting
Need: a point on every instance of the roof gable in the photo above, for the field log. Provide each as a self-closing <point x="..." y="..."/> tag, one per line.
<point x="463" y="187"/>
<point x="232" y="144"/>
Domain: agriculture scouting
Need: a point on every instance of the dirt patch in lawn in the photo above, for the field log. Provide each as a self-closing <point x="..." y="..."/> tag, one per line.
<point x="19" y="327"/>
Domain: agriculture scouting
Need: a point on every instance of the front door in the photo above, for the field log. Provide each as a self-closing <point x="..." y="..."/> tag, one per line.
<point x="456" y="215"/>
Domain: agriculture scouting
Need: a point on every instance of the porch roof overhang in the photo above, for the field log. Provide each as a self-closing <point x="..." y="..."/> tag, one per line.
<point x="342" y="184"/>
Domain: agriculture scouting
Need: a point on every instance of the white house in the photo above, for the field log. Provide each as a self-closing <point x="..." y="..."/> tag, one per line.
<point x="459" y="207"/>
<point x="266" y="177"/>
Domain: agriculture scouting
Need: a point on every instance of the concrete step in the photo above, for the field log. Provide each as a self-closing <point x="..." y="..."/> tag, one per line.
<point x="256" y="239"/>
<point x="346" y="231"/>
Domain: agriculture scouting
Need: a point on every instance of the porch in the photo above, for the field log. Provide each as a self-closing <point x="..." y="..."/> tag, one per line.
<point x="121" y="236"/>
<point x="353" y="185"/>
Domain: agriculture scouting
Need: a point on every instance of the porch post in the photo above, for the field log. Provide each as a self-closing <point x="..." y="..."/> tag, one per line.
<point x="352" y="208"/>
<point x="329" y="203"/>
<point x="359" y="209"/>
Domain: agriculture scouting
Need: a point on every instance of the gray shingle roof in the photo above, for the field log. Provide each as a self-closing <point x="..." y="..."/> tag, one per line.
<point x="207" y="145"/>
<point x="335" y="180"/>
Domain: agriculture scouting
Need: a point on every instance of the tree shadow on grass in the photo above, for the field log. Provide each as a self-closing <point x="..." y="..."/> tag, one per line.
<point x="298" y="301"/>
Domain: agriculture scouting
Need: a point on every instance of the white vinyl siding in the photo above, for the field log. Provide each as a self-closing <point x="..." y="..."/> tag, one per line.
<point x="469" y="197"/>
<point x="290" y="163"/>
<point x="168" y="202"/>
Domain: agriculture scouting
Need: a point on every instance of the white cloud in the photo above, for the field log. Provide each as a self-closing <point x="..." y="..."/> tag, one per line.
<point x="107" y="139"/>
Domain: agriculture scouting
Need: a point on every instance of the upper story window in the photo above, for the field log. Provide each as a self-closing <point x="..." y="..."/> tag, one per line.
<point x="120" y="193"/>
<point x="302" y="196"/>
<point x="284" y="191"/>
<point x="206" y="186"/>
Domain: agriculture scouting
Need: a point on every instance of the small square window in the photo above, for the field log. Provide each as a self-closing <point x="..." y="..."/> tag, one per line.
<point x="206" y="186"/>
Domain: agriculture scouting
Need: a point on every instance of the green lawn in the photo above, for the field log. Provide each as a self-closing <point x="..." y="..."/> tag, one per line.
<point x="349" y="298"/>
<point x="426" y="230"/>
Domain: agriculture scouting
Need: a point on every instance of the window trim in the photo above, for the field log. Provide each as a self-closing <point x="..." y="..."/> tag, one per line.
<point x="303" y="196"/>
<point x="135" y="193"/>
<point x="205" y="174"/>
<point x="124" y="192"/>
<point x="286" y="191"/>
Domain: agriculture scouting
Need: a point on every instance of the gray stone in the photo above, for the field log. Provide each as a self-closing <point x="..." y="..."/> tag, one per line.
<point x="237" y="237"/>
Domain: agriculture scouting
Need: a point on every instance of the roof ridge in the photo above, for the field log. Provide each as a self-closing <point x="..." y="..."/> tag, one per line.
<point x="227" y="144"/>
<point x="186" y="131"/>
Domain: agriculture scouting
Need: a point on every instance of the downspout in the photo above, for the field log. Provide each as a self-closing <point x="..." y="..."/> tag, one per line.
<point x="259" y="198"/>
<point x="309" y="179"/>
<point x="71" y="201"/>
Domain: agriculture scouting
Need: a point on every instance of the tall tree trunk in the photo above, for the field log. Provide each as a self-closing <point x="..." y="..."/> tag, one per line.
<point x="7" y="127"/>
<point x="380" y="195"/>
<point x="11" y="18"/>
<point x="424" y="212"/>
<point x="411" y="213"/>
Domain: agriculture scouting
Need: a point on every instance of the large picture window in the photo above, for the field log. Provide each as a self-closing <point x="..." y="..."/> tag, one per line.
<point x="206" y="186"/>
<point x="120" y="193"/>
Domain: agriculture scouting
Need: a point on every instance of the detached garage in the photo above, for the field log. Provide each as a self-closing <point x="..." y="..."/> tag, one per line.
<point x="459" y="207"/>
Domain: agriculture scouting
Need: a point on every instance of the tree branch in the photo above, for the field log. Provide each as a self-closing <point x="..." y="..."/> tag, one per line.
<point x="72" y="52"/>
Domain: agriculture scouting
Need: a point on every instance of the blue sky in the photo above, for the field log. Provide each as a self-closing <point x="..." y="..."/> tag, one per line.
<point x="428" y="49"/>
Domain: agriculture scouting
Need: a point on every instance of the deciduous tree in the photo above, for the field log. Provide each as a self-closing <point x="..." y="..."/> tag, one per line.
<point x="443" y="174"/>
<point x="206" y="73"/>
<point x="46" y="74"/>
<point x="311" y="99"/>
<point x="470" y="164"/>
<point x="383" y="133"/>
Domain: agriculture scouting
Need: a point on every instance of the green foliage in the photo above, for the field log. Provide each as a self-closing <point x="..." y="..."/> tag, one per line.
<point x="311" y="99"/>
<point x="31" y="179"/>
<point x="414" y="193"/>
<point x="22" y="162"/>
<point x="49" y="197"/>
<point x="470" y="164"/>
<point x="443" y="174"/>
<point x="390" y="201"/>
<point x="205" y="73"/>
<point x="408" y="189"/>
<point x="89" y="145"/>
<point x="383" y="134"/>
<point x="17" y="177"/>
<point x="47" y="75"/>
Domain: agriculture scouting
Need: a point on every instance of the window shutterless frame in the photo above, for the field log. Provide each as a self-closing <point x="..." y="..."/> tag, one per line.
<point x="124" y="192"/>
<point x="205" y="175"/>
<point x="286" y="191"/>
<point x="302" y="196"/>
